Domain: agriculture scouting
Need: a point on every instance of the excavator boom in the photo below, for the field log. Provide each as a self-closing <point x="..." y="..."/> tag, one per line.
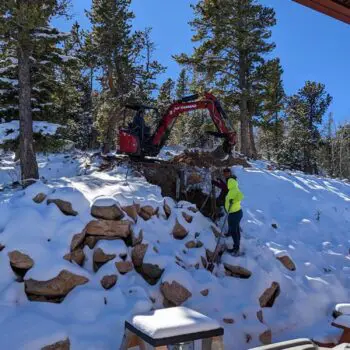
<point x="130" y="143"/>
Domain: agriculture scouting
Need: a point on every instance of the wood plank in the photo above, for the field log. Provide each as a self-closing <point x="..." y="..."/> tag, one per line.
<point x="328" y="7"/>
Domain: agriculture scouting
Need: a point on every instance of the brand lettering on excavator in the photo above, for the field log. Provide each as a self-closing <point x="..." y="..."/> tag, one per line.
<point x="185" y="107"/>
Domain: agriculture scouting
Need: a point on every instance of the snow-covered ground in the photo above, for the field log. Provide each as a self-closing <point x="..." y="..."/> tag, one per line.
<point x="311" y="218"/>
<point x="51" y="166"/>
<point x="10" y="130"/>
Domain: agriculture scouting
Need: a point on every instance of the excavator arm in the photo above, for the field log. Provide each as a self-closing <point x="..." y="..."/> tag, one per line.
<point x="130" y="144"/>
<point x="193" y="103"/>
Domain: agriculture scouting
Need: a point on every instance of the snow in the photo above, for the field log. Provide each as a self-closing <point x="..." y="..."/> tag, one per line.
<point x="343" y="321"/>
<point x="343" y="308"/>
<point x="312" y="215"/>
<point x="105" y="202"/>
<point x="172" y="322"/>
<point x="10" y="130"/>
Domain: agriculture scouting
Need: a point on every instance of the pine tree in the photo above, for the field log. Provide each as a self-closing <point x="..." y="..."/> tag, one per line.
<point x="234" y="39"/>
<point x="271" y="104"/>
<point x="124" y="61"/>
<point x="25" y="26"/>
<point x="305" y="111"/>
<point x="166" y="96"/>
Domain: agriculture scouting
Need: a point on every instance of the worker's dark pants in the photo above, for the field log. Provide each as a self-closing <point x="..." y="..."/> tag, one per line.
<point x="234" y="220"/>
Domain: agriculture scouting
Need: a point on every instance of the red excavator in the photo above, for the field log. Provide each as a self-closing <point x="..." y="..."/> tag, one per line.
<point x="137" y="140"/>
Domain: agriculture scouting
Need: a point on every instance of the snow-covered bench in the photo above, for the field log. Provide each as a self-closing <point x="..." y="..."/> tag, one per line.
<point x="342" y="321"/>
<point x="296" y="344"/>
<point x="172" y="326"/>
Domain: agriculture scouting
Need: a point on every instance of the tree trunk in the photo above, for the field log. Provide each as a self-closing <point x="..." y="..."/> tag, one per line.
<point x="253" y="152"/>
<point x="29" y="166"/>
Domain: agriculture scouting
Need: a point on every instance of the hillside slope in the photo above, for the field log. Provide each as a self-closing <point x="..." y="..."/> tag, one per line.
<point x="311" y="225"/>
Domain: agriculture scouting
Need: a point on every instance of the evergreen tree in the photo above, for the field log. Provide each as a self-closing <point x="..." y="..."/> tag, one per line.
<point x="123" y="60"/>
<point x="25" y="26"/>
<point x="182" y="85"/>
<point x="233" y="37"/>
<point x="166" y="96"/>
<point x="305" y="111"/>
<point x="270" y="121"/>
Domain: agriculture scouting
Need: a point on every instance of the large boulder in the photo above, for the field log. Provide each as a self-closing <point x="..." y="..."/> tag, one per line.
<point x="124" y="267"/>
<point x="268" y="298"/>
<point x="106" y="209"/>
<point x="60" y="345"/>
<point x="78" y="256"/>
<point x="109" y="229"/>
<point x="138" y="253"/>
<point x="151" y="273"/>
<point x="179" y="232"/>
<point x="91" y="241"/>
<point x="187" y="217"/>
<point x="135" y="240"/>
<point x="132" y="210"/>
<point x="100" y="258"/>
<point x="287" y="262"/>
<point x="237" y="271"/>
<point x="109" y="281"/>
<point x="147" y="212"/>
<point x="20" y="263"/>
<point x="77" y="241"/>
<point x="39" y="198"/>
<point x="65" y="206"/>
<point x="55" y="289"/>
<point x="175" y="293"/>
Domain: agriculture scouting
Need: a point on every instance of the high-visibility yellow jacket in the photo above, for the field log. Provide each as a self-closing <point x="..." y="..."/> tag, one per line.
<point x="234" y="195"/>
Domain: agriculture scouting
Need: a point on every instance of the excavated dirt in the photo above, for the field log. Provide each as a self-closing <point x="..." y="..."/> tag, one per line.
<point x="207" y="160"/>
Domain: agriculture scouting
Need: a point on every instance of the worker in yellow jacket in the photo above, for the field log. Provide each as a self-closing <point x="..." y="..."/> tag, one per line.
<point x="233" y="208"/>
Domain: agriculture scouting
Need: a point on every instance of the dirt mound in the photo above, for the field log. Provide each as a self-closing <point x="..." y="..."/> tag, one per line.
<point x="208" y="159"/>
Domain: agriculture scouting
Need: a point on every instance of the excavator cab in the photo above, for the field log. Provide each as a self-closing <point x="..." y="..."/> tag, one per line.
<point x="135" y="135"/>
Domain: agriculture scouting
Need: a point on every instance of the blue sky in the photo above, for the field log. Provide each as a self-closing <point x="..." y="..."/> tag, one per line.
<point x="310" y="45"/>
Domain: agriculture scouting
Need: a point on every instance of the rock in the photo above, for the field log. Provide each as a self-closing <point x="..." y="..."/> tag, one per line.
<point x="204" y="262"/>
<point x="78" y="256"/>
<point x="205" y="292"/>
<point x="39" y="198"/>
<point x="199" y="244"/>
<point x="274" y="226"/>
<point x="175" y="292"/>
<point x="193" y="209"/>
<point x="2" y="247"/>
<point x="100" y="258"/>
<point x="91" y="241"/>
<point x="136" y="240"/>
<point x="179" y="232"/>
<point x="77" y="241"/>
<point x="109" y="281"/>
<point x="112" y="212"/>
<point x="260" y="316"/>
<point x="65" y="207"/>
<point x="187" y="217"/>
<point x="267" y="299"/>
<point x="132" y="210"/>
<point x="191" y="244"/>
<point x="167" y="210"/>
<point x="147" y="212"/>
<point x="124" y="267"/>
<point x="228" y="320"/>
<point x="237" y="271"/>
<point x="266" y="337"/>
<point x="20" y="263"/>
<point x="108" y="228"/>
<point x="287" y="262"/>
<point x="151" y="273"/>
<point x="138" y="253"/>
<point x="61" y="345"/>
<point x="55" y="289"/>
